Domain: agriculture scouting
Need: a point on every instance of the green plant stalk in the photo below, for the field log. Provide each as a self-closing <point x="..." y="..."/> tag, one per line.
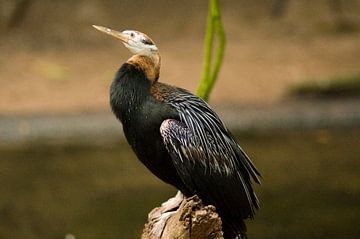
<point x="209" y="36"/>
<point x="209" y="75"/>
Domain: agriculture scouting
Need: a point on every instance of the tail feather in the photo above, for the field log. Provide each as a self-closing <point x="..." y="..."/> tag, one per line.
<point x="241" y="236"/>
<point x="235" y="229"/>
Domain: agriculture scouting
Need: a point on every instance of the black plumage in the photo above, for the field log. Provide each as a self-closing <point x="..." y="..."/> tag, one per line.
<point x="183" y="142"/>
<point x="179" y="138"/>
<point x="141" y="115"/>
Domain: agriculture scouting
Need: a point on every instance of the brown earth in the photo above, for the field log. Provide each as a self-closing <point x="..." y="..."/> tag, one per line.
<point x="55" y="63"/>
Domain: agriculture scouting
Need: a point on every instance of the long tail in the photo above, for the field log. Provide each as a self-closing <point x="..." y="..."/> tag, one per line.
<point x="234" y="229"/>
<point x="241" y="236"/>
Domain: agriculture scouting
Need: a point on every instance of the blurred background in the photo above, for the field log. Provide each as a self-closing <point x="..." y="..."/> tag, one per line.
<point x="289" y="91"/>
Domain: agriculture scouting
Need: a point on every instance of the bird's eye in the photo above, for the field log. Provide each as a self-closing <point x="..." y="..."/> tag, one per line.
<point x="147" y="42"/>
<point x="132" y="34"/>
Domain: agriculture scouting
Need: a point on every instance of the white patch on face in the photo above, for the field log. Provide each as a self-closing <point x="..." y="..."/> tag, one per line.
<point x="136" y="43"/>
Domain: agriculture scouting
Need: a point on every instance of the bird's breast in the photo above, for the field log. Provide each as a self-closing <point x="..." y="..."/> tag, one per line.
<point x="142" y="128"/>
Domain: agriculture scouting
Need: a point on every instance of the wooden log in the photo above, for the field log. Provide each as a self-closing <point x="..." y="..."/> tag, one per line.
<point x="190" y="220"/>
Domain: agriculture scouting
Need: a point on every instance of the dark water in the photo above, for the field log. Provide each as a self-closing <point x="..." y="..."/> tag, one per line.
<point x="311" y="188"/>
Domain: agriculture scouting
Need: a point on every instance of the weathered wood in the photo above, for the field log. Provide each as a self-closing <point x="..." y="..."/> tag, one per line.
<point x="191" y="220"/>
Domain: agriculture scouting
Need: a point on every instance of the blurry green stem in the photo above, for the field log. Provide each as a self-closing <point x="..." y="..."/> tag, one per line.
<point x="209" y="75"/>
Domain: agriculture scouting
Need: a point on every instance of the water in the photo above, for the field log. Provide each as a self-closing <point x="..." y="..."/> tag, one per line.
<point x="311" y="188"/>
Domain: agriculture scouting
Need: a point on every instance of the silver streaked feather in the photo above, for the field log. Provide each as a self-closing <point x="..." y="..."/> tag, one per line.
<point x="199" y="141"/>
<point x="203" y="122"/>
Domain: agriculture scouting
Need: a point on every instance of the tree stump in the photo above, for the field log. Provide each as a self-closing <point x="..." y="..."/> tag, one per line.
<point x="190" y="220"/>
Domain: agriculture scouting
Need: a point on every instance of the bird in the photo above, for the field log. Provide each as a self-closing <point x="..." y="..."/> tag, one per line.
<point x="179" y="138"/>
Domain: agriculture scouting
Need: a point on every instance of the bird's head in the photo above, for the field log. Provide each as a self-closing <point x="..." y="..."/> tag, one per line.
<point x="137" y="42"/>
<point x="146" y="54"/>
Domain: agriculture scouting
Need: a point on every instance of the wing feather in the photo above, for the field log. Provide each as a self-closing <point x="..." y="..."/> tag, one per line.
<point x="212" y="178"/>
<point x="207" y="158"/>
<point x="204" y="122"/>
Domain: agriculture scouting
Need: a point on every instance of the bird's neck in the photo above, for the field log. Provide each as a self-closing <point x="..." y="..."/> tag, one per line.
<point x="149" y="64"/>
<point x="128" y="91"/>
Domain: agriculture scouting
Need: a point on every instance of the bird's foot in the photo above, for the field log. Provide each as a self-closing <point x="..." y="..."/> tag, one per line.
<point x="170" y="205"/>
<point x="160" y="215"/>
<point x="160" y="223"/>
<point x="173" y="203"/>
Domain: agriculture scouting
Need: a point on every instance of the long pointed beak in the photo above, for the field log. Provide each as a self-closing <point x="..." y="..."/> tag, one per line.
<point x="119" y="35"/>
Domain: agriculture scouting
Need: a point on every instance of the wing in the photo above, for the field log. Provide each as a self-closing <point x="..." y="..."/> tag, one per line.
<point x="207" y="172"/>
<point x="203" y="122"/>
<point x="203" y="149"/>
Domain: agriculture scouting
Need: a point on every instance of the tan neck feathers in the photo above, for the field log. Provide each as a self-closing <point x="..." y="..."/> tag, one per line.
<point x="150" y="65"/>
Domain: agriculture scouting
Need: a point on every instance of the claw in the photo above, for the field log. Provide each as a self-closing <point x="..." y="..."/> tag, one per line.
<point x="173" y="203"/>
<point x="160" y="223"/>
